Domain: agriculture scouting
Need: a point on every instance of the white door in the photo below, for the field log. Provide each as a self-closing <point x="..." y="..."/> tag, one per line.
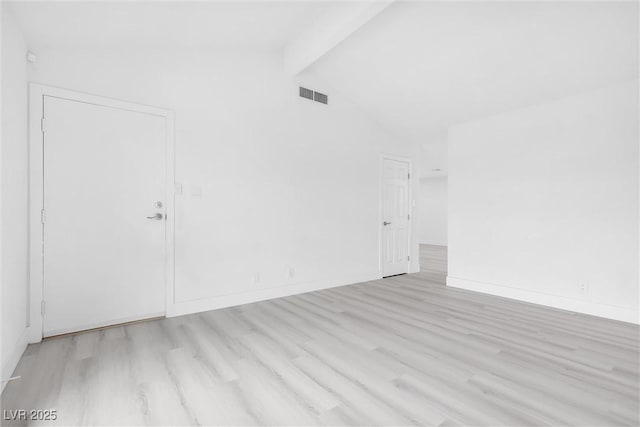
<point x="104" y="174"/>
<point x="395" y="217"/>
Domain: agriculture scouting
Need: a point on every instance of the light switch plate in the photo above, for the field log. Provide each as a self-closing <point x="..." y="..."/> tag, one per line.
<point x="196" y="191"/>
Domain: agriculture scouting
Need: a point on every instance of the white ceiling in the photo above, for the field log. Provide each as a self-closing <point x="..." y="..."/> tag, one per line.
<point x="422" y="66"/>
<point x="149" y="24"/>
<point x="417" y="67"/>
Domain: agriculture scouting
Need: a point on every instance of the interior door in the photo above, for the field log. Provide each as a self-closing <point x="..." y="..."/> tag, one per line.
<point x="104" y="215"/>
<point x="395" y="217"/>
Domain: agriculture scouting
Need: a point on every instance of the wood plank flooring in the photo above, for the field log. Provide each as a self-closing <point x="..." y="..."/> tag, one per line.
<point x="400" y="351"/>
<point x="433" y="264"/>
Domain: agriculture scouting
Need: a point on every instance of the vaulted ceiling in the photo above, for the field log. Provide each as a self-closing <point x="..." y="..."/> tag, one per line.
<point x="165" y="24"/>
<point x="419" y="67"/>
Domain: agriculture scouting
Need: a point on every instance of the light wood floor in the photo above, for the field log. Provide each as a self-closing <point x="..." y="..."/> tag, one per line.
<point x="399" y="351"/>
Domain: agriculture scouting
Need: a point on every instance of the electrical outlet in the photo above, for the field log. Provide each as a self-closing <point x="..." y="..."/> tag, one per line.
<point x="290" y="273"/>
<point x="256" y="277"/>
<point x="584" y="288"/>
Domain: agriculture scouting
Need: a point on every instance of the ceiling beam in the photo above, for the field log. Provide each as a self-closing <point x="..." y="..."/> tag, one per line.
<point x="328" y="31"/>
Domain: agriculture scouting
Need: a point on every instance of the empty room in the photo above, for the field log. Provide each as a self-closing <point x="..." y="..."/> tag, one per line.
<point x="320" y="213"/>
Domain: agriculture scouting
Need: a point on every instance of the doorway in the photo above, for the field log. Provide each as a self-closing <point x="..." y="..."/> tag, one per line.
<point x="395" y="213"/>
<point x="106" y="211"/>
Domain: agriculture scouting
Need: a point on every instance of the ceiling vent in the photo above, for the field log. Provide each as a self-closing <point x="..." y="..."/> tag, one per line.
<point x="320" y="97"/>
<point x="314" y="96"/>
<point x="306" y="93"/>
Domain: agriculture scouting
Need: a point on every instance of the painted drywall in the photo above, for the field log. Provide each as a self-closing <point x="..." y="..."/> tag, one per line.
<point x="433" y="155"/>
<point x="432" y="211"/>
<point x="544" y="200"/>
<point x="270" y="181"/>
<point x="14" y="195"/>
<point x="2" y="358"/>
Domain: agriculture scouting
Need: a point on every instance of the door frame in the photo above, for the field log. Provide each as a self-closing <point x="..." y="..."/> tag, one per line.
<point x="37" y="92"/>
<point x="384" y="157"/>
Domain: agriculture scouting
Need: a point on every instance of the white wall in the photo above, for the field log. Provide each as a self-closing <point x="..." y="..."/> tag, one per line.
<point x="432" y="211"/>
<point x="284" y="182"/>
<point x="2" y="346"/>
<point x="14" y="195"/>
<point x="433" y="155"/>
<point x="432" y="193"/>
<point x="544" y="199"/>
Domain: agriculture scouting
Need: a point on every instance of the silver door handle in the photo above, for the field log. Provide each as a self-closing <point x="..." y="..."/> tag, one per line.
<point x="385" y="223"/>
<point x="158" y="217"/>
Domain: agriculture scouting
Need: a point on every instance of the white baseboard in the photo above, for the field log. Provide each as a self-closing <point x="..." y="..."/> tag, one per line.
<point x="441" y="244"/>
<point x="9" y="364"/>
<point x="623" y="314"/>
<point x="200" y="305"/>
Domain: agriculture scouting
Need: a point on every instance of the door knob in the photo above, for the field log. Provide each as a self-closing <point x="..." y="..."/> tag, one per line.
<point x="385" y="223"/>
<point x="157" y="217"/>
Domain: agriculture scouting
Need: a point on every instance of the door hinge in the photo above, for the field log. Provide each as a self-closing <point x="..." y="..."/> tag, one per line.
<point x="408" y="258"/>
<point x="42" y="308"/>
<point x="408" y="176"/>
<point x="42" y="124"/>
<point x="408" y="216"/>
<point x="42" y="216"/>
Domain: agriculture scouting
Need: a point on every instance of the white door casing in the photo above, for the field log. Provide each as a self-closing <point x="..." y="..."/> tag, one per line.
<point x="395" y="216"/>
<point x="104" y="166"/>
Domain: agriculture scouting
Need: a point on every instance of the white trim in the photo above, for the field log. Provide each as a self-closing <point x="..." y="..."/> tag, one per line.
<point x="213" y="303"/>
<point x="9" y="365"/>
<point x="170" y="222"/>
<point x="37" y="92"/>
<point x="384" y="157"/>
<point x="623" y="314"/>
